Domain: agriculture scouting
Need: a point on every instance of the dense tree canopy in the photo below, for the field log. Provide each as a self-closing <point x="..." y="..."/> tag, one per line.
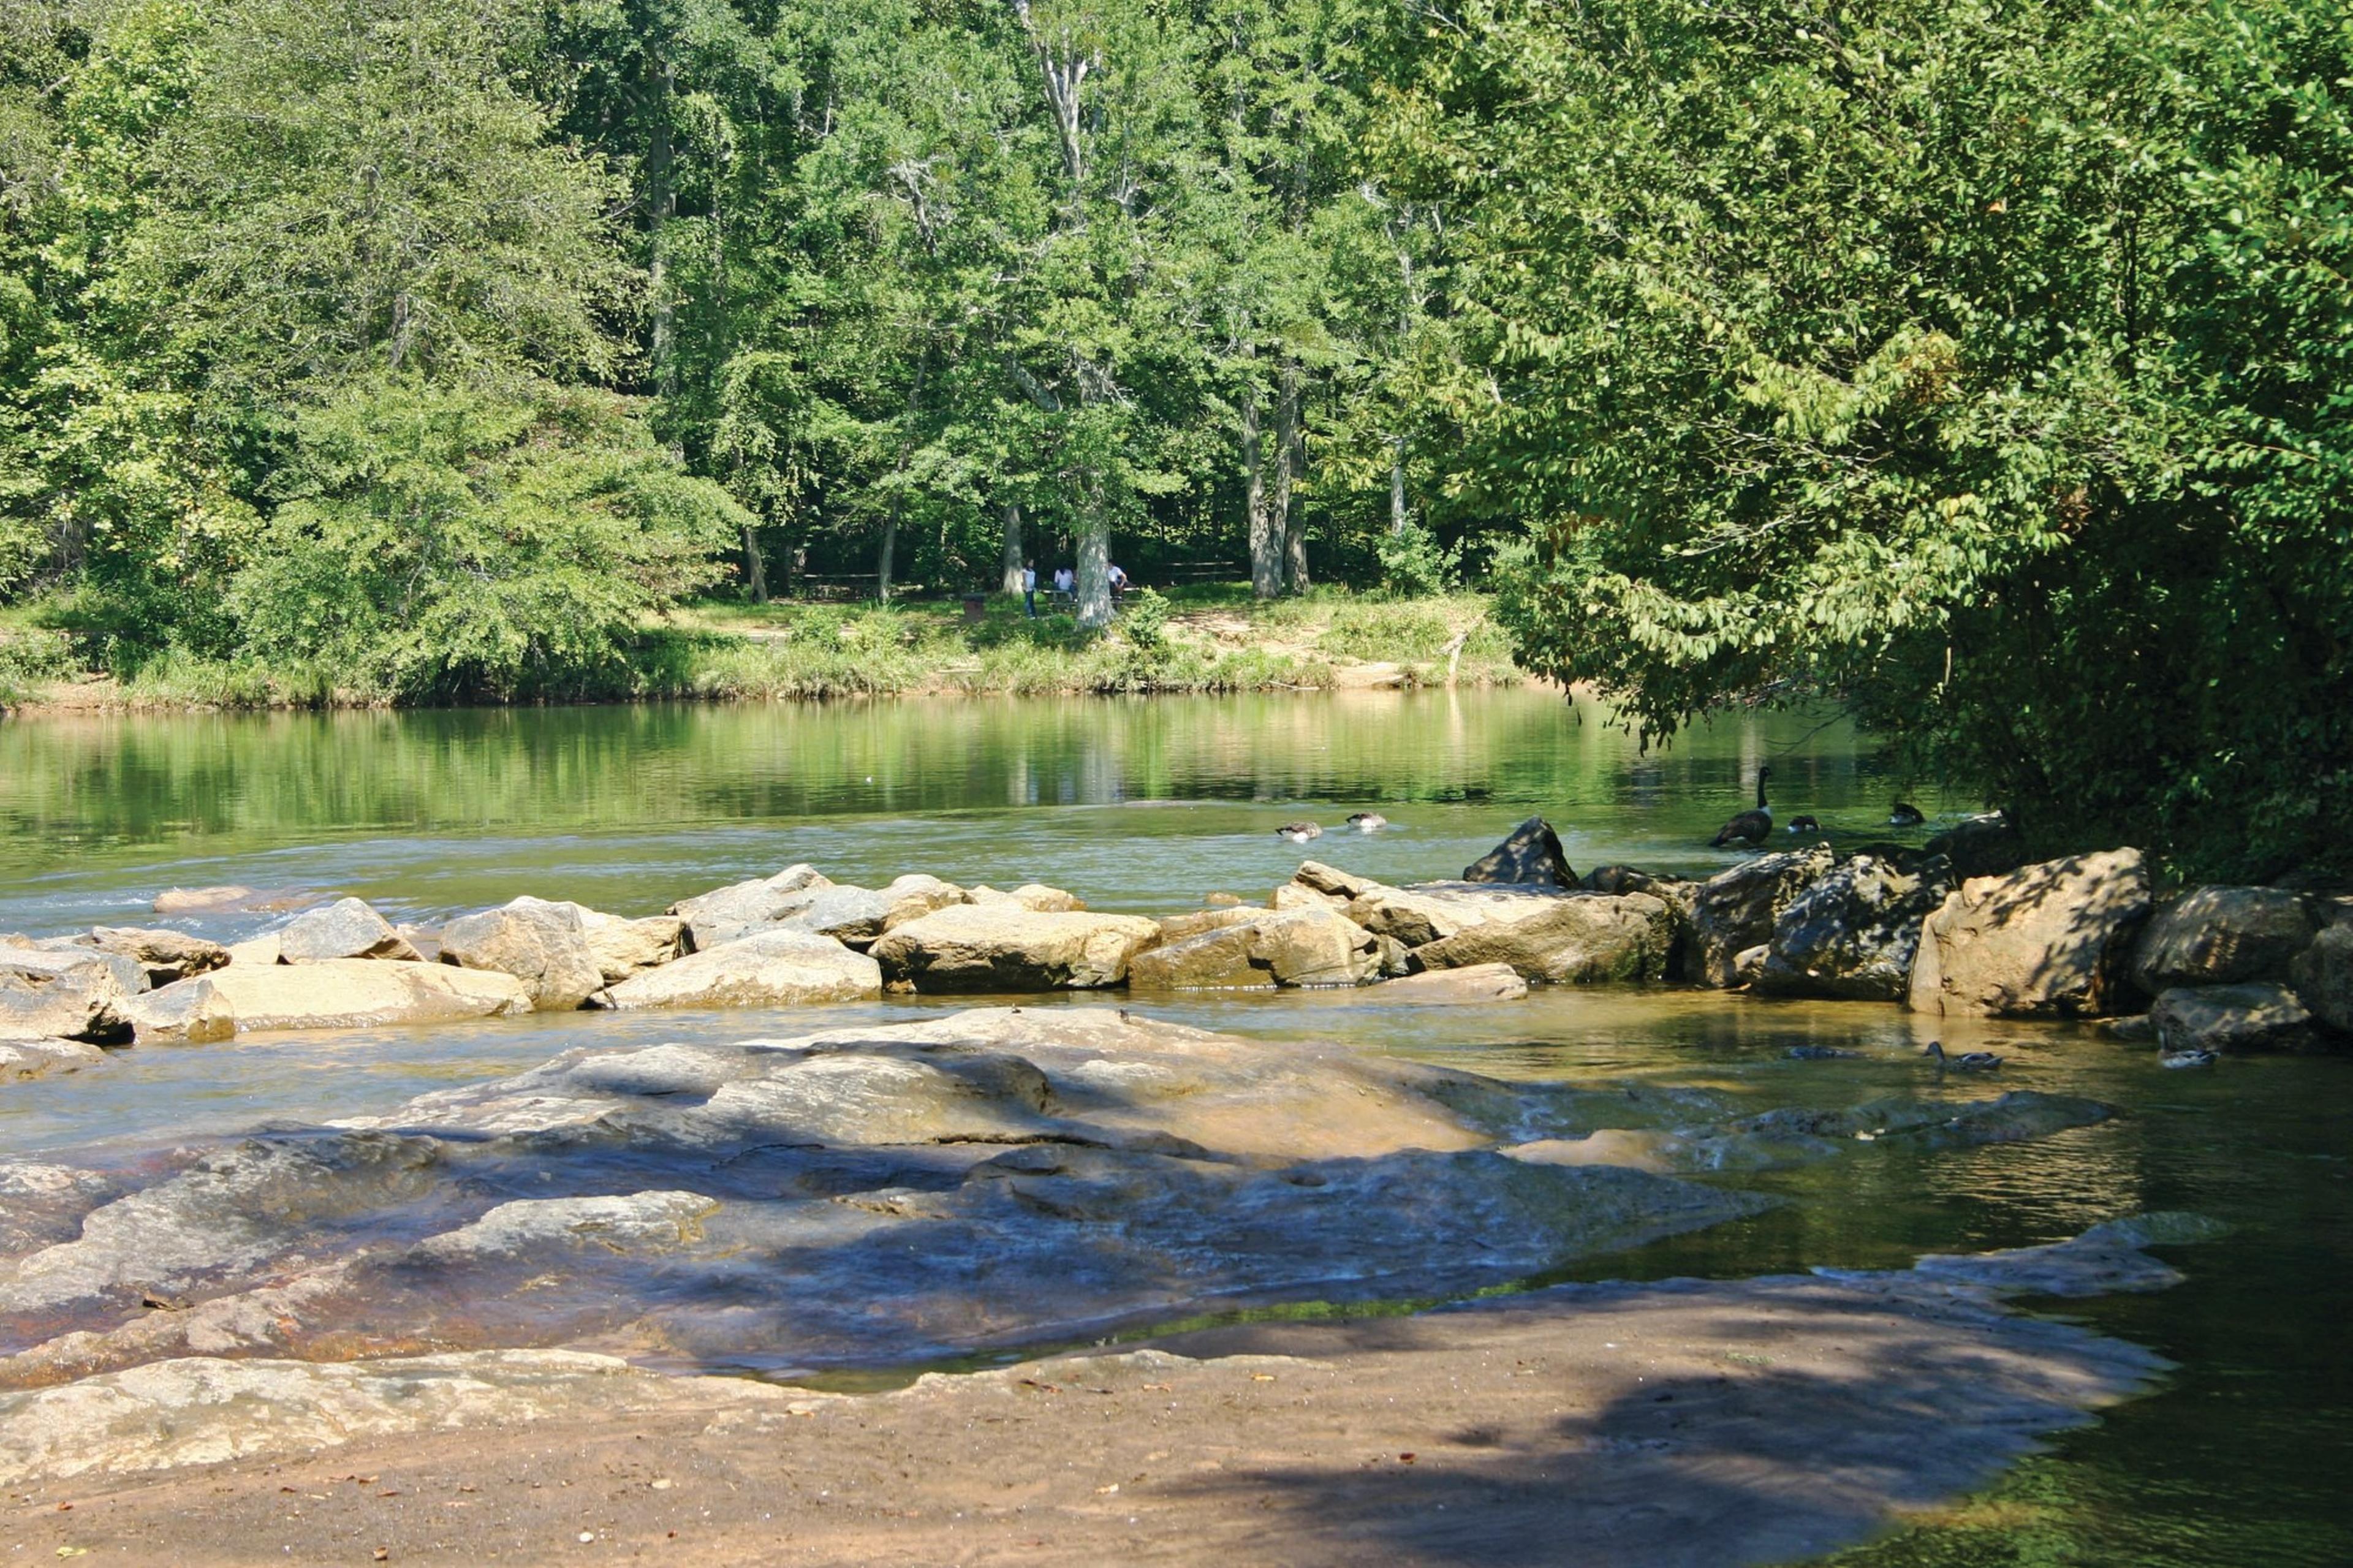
<point x="1980" y="366"/>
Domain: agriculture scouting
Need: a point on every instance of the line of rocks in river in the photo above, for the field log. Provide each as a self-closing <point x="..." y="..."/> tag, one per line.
<point x="2226" y="968"/>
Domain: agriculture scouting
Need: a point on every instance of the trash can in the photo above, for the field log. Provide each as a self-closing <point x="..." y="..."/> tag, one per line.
<point x="976" y="608"/>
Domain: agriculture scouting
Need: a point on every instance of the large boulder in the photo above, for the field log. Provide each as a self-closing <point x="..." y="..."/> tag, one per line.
<point x="75" y="994"/>
<point x="1530" y="855"/>
<point x="1853" y="932"/>
<point x="2257" y="1017"/>
<point x="2047" y="941"/>
<point x="622" y="946"/>
<point x="2217" y="936"/>
<point x="767" y="969"/>
<point x="1431" y="911"/>
<point x="2322" y="974"/>
<point x="165" y="956"/>
<point x="724" y="915"/>
<point x="363" y="993"/>
<point x="190" y="1012"/>
<point x="1315" y="946"/>
<point x="1738" y="909"/>
<point x="993" y="947"/>
<point x="545" y="945"/>
<point x="1577" y="938"/>
<point x="347" y="928"/>
<point x="1987" y="845"/>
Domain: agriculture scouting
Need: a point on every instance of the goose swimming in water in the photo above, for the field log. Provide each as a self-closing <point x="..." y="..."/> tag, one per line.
<point x="1749" y="827"/>
<point x="1367" y="821"/>
<point x="1905" y="815"/>
<point x="1301" y="831"/>
<point x="1968" y="1061"/>
<point x="2195" y="1056"/>
<point x="1804" y="825"/>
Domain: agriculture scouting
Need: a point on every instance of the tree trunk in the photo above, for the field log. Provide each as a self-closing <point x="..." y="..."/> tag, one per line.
<point x="1265" y="541"/>
<point x="1290" y="462"/>
<point x="755" y="574"/>
<point x="883" y="556"/>
<point x="1011" y="512"/>
<point x="1396" y="486"/>
<point x="1095" y="555"/>
<point x="662" y="206"/>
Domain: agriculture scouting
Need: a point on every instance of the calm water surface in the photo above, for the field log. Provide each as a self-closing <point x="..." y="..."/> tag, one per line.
<point x="2238" y="1459"/>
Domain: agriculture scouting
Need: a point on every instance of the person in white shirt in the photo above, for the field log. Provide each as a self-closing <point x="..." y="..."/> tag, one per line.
<point x="1066" y="583"/>
<point x="1029" y="588"/>
<point x="1118" y="582"/>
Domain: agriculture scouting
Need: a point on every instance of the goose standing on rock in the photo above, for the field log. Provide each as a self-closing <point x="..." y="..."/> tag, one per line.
<point x="1905" y="815"/>
<point x="1749" y="827"/>
<point x="1301" y="831"/>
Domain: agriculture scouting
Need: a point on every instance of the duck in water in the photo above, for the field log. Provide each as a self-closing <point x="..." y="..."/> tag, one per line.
<point x="1367" y="821"/>
<point x="1968" y="1061"/>
<point x="1804" y="825"/>
<point x="1300" y="832"/>
<point x="1749" y="827"/>
<point x="2196" y="1057"/>
<point x="1905" y="815"/>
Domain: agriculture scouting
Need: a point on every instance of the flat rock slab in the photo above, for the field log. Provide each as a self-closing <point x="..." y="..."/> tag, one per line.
<point x="1689" y="1423"/>
<point x="362" y="993"/>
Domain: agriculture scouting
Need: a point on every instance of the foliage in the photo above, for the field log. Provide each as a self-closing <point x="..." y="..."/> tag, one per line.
<point x="1414" y="563"/>
<point x="1981" y="365"/>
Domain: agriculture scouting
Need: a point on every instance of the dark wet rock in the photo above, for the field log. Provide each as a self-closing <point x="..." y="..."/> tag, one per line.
<point x="165" y="956"/>
<point x="996" y="947"/>
<point x="1632" y="880"/>
<point x="2219" y="936"/>
<point x="1309" y="946"/>
<point x="2255" y="1017"/>
<point x="722" y="916"/>
<point x="2134" y="1029"/>
<point x="2049" y="940"/>
<point x="1736" y="909"/>
<point x="1800" y="1135"/>
<point x="2324" y="977"/>
<point x="1530" y="856"/>
<point x="363" y="993"/>
<point x="186" y="1012"/>
<point x="774" y="968"/>
<point x="2105" y="1260"/>
<point x="73" y="994"/>
<point x="542" y="944"/>
<point x="347" y="928"/>
<point x="1987" y="845"/>
<point x="1853" y="932"/>
<point x="1474" y="982"/>
<point x="1579" y="938"/>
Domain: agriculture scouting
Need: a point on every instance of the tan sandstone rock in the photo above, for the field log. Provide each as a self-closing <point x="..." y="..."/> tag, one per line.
<point x="545" y="945"/>
<point x="186" y="1012"/>
<point x="996" y="947"/>
<point x="347" y="928"/>
<point x="2046" y="941"/>
<point x="1308" y="946"/>
<point x="770" y="969"/>
<point x="363" y="993"/>
<point x="1579" y="938"/>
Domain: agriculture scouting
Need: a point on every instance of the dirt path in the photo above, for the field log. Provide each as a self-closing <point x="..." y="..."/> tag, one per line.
<point x="1681" y="1424"/>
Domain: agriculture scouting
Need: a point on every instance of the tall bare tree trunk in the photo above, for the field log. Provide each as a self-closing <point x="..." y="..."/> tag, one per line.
<point x="1396" y="486"/>
<point x="1265" y="541"/>
<point x="755" y="573"/>
<point x="1290" y="462"/>
<point x="1011" y="512"/>
<point x="1095" y="554"/>
<point x="890" y="548"/>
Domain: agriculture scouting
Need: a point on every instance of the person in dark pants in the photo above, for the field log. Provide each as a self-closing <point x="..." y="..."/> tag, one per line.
<point x="1029" y="588"/>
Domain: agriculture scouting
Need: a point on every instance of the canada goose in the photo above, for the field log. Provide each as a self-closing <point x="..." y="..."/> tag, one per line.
<point x="1905" y="815"/>
<point x="1367" y="821"/>
<point x="1819" y="1053"/>
<point x="1300" y="832"/>
<point x="2196" y="1057"/>
<point x="1804" y="825"/>
<point x="1968" y="1061"/>
<point x="1749" y="827"/>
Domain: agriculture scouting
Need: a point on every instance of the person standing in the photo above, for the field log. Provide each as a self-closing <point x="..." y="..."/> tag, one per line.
<point x="1066" y="585"/>
<point x="1029" y="587"/>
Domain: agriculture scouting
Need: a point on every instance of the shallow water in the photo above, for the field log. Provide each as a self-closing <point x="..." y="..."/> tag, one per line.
<point x="1150" y="804"/>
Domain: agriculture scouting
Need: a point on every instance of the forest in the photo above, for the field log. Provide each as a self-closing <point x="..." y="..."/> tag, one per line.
<point x="1984" y="368"/>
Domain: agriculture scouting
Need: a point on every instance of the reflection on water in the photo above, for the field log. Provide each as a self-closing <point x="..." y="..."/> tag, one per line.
<point x="1149" y="806"/>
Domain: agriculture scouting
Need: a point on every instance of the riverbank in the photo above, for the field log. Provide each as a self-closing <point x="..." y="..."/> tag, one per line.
<point x="1195" y="641"/>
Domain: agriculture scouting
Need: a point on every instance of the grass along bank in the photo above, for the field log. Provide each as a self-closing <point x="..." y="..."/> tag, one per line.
<point x="1192" y="640"/>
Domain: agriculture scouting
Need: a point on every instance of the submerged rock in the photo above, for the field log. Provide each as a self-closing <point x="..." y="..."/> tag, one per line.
<point x="1472" y="983"/>
<point x="2050" y="941"/>
<point x="363" y="993"/>
<point x="1530" y="855"/>
<point x="996" y="947"/>
<point x="1855" y="931"/>
<point x="770" y="969"/>
<point x="347" y="928"/>
<point x="2257" y="1017"/>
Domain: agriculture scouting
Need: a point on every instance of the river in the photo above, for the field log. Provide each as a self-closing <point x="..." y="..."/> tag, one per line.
<point x="1151" y="805"/>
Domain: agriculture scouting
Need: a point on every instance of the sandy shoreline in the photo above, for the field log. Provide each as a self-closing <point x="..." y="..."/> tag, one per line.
<point x="1681" y="1423"/>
